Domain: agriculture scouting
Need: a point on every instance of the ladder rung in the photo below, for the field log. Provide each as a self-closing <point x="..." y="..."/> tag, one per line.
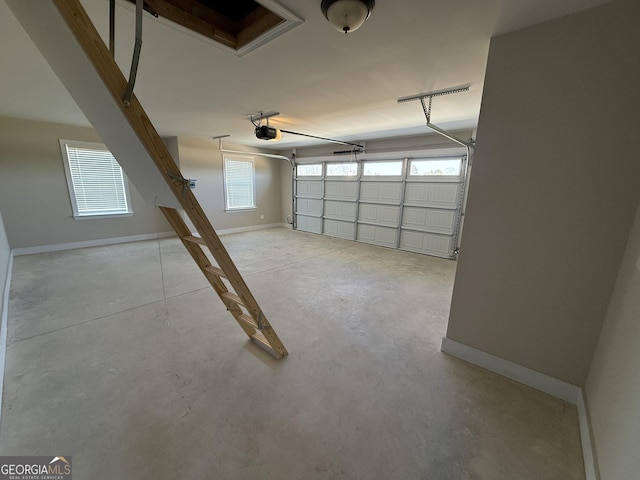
<point x="247" y="320"/>
<point x="233" y="297"/>
<point x="255" y="326"/>
<point x="259" y="339"/>
<point x="193" y="239"/>
<point x="215" y="270"/>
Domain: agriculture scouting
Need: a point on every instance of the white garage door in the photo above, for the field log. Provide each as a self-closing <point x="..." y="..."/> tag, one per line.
<point x="411" y="204"/>
<point x="308" y="198"/>
<point x="341" y="200"/>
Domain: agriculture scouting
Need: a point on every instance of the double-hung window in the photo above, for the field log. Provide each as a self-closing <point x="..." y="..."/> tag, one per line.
<point x="97" y="184"/>
<point x="239" y="183"/>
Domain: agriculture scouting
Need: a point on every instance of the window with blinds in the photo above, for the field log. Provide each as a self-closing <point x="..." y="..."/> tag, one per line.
<point x="97" y="184"/>
<point x="239" y="183"/>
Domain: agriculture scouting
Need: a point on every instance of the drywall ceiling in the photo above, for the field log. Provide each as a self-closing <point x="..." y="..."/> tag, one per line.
<point x="321" y="81"/>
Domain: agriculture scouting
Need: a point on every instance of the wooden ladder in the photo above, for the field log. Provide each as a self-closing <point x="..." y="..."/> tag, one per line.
<point x="127" y="125"/>
<point x="241" y="304"/>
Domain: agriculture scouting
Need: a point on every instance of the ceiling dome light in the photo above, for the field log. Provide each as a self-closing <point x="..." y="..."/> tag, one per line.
<point x="347" y="15"/>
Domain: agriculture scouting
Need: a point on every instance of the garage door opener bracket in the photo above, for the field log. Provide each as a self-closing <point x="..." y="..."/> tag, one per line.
<point x="426" y="100"/>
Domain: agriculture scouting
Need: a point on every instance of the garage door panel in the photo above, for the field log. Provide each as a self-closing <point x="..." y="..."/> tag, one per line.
<point x="427" y="243"/>
<point x="414" y="210"/>
<point x="309" y="189"/>
<point x="381" y="192"/>
<point x="340" y="210"/>
<point x="345" y="191"/>
<point x="440" y="195"/>
<point x="387" y="215"/>
<point x="336" y="228"/>
<point x="308" y="206"/>
<point x="383" y="236"/>
<point x="309" y="224"/>
<point x="429" y="220"/>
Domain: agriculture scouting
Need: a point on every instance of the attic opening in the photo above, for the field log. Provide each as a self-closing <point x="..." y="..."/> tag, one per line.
<point x="241" y="25"/>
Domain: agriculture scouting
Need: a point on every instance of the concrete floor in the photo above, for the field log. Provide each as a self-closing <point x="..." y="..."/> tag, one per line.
<point x="101" y="368"/>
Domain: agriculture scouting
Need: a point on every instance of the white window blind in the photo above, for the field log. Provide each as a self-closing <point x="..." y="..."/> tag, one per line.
<point x="239" y="183"/>
<point x="97" y="184"/>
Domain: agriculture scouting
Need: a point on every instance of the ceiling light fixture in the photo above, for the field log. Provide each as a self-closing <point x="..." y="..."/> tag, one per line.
<point x="347" y="15"/>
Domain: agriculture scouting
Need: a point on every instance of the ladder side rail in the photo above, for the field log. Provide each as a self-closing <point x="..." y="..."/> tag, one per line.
<point x="173" y="217"/>
<point x="97" y="52"/>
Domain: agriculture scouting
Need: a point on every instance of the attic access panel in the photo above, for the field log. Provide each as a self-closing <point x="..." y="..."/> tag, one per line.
<point x="240" y="25"/>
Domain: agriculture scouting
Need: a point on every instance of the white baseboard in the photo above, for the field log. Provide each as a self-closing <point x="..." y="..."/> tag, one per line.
<point x="131" y="238"/>
<point x="4" y="318"/>
<point x="251" y="228"/>
<point x="545" y="383"/>
<point x="90" y="243"/>
<point x="588" y="451"/>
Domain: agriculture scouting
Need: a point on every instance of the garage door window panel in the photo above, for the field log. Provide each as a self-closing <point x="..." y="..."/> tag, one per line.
<point x="311" y="170"/>
<point x="348" y="170"/>
<point x="382" y="170"/>
<point x="421" y="168"/>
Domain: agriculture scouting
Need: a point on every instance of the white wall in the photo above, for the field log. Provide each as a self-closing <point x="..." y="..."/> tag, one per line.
<point x="35" y="200"/>
<point x="34" y="196"/>
<point x="613" y="384"/>
<point x="553" y="192"/>
<point x="201" y="159"/>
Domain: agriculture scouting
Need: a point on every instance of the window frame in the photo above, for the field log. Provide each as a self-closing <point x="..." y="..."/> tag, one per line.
<point x="238" y="158"/>
<point x="77" y="214"/>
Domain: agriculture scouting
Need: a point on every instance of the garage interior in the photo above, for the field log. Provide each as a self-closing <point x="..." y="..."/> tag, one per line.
<point x="516" y="359"/>
<point x="172" y="388"/>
